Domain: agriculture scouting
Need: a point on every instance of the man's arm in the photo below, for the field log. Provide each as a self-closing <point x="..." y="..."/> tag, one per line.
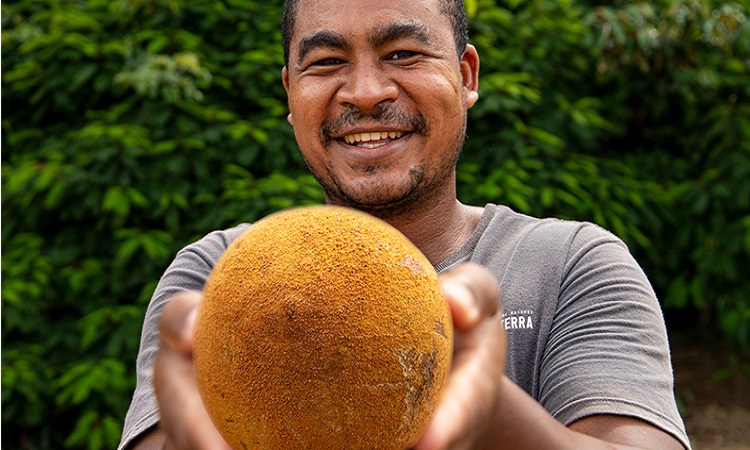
<point x="522" y="423"/>
<point x="184" y="420"/>
<point x="184" y="423"/>
<point x="153" y="439"/>
<point x="504" y="414"/>
<point x="479" y="359"/>
<point x="188" y="272"/>
<point x="481" y="407"/>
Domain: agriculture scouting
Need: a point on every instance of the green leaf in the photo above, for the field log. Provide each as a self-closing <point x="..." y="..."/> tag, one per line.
<point x="117" y="201"/>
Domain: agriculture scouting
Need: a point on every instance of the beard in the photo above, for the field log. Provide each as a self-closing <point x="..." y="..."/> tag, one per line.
<point x="375" y="193"/>
<point x="375" y="197"/>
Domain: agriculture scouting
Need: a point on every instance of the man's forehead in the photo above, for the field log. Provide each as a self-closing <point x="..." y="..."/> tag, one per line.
<point x="372" y="15"/>
<point x="326" y="5"/>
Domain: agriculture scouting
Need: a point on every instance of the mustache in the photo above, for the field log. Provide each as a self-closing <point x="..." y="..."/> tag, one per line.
<point x="385" y="114"/>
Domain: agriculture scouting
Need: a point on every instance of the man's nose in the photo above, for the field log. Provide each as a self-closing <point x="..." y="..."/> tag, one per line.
<point x="367" y="86"/>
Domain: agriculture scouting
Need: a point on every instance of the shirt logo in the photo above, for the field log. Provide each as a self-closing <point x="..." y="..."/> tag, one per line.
<point x="518" y="320"/>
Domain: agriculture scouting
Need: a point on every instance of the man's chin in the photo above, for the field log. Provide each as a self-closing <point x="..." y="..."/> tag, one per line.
<point x="380" y="206"/>
<point x="379" y="196"/>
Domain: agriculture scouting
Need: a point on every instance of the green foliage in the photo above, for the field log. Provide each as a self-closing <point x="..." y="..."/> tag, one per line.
<point x="133" y="128"/>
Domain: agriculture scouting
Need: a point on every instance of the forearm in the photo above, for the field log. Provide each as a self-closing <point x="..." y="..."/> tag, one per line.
<point x="153" y="439"/>
<point x="522" y="423"/>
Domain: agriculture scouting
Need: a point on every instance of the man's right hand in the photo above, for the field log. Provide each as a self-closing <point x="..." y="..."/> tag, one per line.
<point x="184" y="422"/>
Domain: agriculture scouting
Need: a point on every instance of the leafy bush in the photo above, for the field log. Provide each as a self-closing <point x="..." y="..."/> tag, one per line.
<point x="635" y="116"/>
<point x="133" y="128"/>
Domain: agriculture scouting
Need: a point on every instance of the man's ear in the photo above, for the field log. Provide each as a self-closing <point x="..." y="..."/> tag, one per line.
<point x="470" y="74"/>
<point x="285" y="81"/>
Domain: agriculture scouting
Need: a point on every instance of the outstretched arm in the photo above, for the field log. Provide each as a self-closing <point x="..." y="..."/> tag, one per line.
<point x="184" y="423"/>
<point x="479" y="352"/>
<point x="483" y="409"/>
<point x="183" y="417"/>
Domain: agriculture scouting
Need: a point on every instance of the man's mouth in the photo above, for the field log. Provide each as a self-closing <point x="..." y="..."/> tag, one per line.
<point x="372" y="140"/>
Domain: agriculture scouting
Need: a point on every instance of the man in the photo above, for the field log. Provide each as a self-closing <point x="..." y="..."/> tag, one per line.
<point x="378" y="95"/>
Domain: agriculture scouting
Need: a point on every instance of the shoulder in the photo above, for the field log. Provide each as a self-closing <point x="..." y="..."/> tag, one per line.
<point x="541" y="260"/>
<point x="218" y="240"/>
<point x="193" y="263"/>
<point x="550" y="239"/>
<point x="512" y="224"/>
<point x="209" y="248"/>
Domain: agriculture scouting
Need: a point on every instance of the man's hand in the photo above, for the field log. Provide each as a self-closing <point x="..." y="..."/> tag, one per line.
<point x="473" y="386"/>
<point x="184" y="420"/>
<point x="469" y="398"/>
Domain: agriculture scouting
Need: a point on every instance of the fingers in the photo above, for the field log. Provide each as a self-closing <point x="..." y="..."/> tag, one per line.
<point x="473" y="388"/>
<point x="471" y="292"/>
<point x="183" y="419"/>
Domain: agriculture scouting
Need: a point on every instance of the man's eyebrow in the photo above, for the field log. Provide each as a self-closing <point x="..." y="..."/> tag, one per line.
<point x="321" y="39"/>
<point x="400" y="30"/>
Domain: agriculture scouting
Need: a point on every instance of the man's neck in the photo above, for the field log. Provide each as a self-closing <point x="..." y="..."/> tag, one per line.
<point x="439" y="229"/>
<point x="436" y="222"/>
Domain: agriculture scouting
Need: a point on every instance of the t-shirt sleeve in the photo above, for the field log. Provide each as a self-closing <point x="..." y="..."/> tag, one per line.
<point x="607" y="350"/>
<point x="188" y="271"/>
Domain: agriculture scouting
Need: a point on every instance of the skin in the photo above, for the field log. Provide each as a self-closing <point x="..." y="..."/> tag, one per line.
<point x="391" y="66"/>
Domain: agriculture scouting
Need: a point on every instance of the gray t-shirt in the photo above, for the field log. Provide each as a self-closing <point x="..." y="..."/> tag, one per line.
<point x="585" y="330"/>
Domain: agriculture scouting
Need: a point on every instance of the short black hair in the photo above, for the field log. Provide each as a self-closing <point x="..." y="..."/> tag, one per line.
<point x="454" y="9"/>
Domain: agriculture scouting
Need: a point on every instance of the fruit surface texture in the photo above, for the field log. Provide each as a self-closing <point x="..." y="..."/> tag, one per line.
<point x="322" y="328"/>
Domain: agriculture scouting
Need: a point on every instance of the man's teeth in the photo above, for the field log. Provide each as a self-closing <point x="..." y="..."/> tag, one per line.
<point x="366" y="139"/>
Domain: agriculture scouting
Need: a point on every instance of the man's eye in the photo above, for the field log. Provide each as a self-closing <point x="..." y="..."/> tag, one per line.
<point x="327" y="62"/>
<point x="402" y="54"/>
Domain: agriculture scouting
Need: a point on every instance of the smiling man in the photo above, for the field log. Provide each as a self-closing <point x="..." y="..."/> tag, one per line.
<point x="378" y="96"/>
<point x="380" y="113"/>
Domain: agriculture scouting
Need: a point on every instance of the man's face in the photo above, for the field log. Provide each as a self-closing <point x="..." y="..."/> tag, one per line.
<point x="378" y="99"/>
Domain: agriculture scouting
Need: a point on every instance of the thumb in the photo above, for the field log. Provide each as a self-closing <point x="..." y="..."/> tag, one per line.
<point x="472" y="294"/>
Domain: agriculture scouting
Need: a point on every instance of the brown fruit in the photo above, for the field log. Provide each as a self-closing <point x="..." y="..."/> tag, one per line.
<point x="322" y="328"/>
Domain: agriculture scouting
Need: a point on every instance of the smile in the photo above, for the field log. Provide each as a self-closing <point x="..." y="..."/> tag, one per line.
<point x="372" y="140"/>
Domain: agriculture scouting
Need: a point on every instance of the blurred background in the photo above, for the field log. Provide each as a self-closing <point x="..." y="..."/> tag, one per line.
<point x="132" y="127"/>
